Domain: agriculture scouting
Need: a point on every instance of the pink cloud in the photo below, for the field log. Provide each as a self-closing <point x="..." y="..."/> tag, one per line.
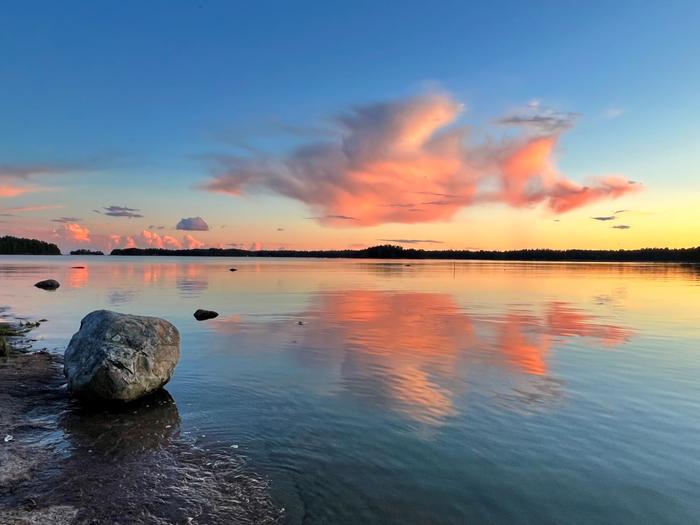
<point x="113" y="241"/>
<point x="10" y="190"/>
<point x="15" y="181"/>
<point x="151" y="240"/>
<point x="529" y="177"/>
<point x="191" y="243"/>
<point x="171" y="242"/>
<point x="406" y="162"/>
<point x="23" y="209"/>
<point x="73" y="232"/>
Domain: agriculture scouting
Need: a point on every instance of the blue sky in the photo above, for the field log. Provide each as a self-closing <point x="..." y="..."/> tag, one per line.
<point x="139" y="91"/>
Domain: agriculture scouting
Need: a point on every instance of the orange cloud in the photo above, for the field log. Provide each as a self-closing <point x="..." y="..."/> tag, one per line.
<point x="23" y="209"/>
<point x="15" y="181"/>
<point x="171" y="242"/>
<point x="405" y="162"/>
<point x="8" y="190"/>
<point x="149" y="239"/>
<point x="529" y="177"/>
<point x="74" y="232"/>
<point x="113" y="241"/>
<point x="152" y="240"/>
<point x="416" y="349"/>
<point x="191" y="243"/>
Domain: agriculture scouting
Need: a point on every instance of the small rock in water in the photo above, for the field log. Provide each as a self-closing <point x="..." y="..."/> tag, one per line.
<point x="8" y="438"/>
<point x="233" y="270"/>
<point x="203" y="315"/>
<point x="48" y="284"/>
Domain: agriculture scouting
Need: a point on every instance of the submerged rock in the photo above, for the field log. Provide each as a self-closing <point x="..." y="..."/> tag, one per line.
<point x="120" y="357"/>
<point x="203" y="315"/>
<point x="48" y="284"/>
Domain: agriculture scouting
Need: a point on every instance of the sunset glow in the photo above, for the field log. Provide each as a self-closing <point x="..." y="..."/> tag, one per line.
<point x="512" y="150"/>
<point x="385" y="263"/>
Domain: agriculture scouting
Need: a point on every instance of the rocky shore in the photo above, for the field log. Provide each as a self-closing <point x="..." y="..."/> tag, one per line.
<point x="65" y="462"/>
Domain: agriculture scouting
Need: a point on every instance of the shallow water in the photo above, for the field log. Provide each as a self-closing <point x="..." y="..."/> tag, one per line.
<point x="417" y="391"/>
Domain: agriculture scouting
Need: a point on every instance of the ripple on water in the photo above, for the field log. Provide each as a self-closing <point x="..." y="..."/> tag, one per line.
<point x="132" y="465"/>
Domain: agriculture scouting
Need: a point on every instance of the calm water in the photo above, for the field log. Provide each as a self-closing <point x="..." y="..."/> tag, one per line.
<point x="421" y="392"/>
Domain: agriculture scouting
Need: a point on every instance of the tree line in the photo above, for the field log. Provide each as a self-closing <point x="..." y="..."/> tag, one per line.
<point x="19" y="246"/>
<point x="83" y="251"/>
<point x="388" y="251"/>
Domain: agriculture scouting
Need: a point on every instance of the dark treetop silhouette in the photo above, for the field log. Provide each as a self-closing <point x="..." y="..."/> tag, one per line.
<point x="397" y="252"/>
<point x="19" y="246"/>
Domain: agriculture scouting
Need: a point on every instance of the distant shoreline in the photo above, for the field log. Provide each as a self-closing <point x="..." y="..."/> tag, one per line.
<point x="676" y="255"/>
<point x="19" y="246"/>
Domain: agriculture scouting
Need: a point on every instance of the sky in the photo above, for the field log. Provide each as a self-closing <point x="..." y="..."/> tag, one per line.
<point x="305" y="125"/>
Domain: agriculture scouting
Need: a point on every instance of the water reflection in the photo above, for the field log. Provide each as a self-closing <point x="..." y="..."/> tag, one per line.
<point x="129" y="464"/>
<point x="153" y="273"/>
<point x="192" y="281"/>
<point x="120" y="297"/>
<point x="405" y="389"/>
<point x="122" y="431"/>
<point x="78" y="277"/>
<point x="417" y="353"/>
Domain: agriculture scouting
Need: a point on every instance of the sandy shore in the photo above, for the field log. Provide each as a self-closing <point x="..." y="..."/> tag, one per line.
<point x="64" y="463"/>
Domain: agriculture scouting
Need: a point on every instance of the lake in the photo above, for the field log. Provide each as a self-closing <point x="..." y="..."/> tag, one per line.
<point x="414" y="392"/>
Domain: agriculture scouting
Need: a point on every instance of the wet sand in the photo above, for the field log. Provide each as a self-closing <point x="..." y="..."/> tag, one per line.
<point x="65" y="463"/>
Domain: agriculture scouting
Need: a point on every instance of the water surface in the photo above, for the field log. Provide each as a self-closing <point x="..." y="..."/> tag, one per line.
<point x="420" y="392"/>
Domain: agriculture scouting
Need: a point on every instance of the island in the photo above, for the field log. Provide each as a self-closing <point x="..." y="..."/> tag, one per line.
<point x="387" y="251"/>
<point x="86" y="252"/>
<point x="20" y="246"/>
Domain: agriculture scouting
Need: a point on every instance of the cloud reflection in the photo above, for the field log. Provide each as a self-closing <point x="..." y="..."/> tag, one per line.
<point x="192" y="281"/>
<point x="78" y="277"/>
<point x="419" y="352"/>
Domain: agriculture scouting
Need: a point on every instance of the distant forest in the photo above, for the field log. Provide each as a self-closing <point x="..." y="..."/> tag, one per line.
<point x="83" y="251"/>
<point x="19" y="246"/>
<point x="398" y="252"/>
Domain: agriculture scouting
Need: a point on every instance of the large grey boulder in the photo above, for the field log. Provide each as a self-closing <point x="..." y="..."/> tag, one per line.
<point x="120" y="357"/>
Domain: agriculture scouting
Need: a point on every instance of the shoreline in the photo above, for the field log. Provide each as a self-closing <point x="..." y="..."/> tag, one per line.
<point x="67" y="463"/>
<point x="691" y="263"/>
<point x="389" y="252"/>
